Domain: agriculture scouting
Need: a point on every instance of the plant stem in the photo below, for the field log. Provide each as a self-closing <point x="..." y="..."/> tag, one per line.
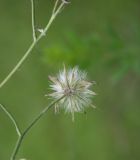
<point x="12" y="120"/>
<point x="21" y="138"/>
<point x="55" y="5"/>
<point x="33" y="20"/>
<point x="32" y="46"/>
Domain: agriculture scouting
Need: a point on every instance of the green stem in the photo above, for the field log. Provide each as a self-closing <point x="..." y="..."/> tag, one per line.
<point x="32" y="46"/>
<point x="55" y="6"/>
<point x="12" y="119"/>
<point x="33" y="20"/>
<point x="21" y="138"/>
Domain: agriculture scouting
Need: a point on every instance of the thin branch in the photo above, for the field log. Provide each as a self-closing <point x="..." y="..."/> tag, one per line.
<point x="33" y="20"/>
<point x="51" y="20"/>
<point x="12" y="119"/>
<point x="41" y="114"/>
<point x="31" y="47"/>
<point x="55" y="6"/>
<point x="59" y="8"/>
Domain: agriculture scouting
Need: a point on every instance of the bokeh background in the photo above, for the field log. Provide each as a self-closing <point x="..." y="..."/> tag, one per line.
<point x="101" y="37"/>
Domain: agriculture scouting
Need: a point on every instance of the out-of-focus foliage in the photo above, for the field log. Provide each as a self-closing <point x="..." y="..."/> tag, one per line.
<point x="92" y="50"/>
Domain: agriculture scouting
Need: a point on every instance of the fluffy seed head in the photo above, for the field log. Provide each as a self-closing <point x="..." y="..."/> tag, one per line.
<point x="72" y="84"/>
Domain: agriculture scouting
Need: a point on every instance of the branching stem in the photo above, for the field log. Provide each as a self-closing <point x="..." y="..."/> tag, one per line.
<point x="55" y="6"/>
<point x="21" y="138"/>
<point x="56" y="10"/>
<point x="32" y="46"/>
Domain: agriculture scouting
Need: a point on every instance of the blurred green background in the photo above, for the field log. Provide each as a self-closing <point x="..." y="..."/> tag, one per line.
<point x="101" y="37"/>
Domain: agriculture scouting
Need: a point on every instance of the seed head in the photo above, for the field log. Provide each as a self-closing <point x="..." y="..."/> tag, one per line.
<point x="72" y="84"/>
